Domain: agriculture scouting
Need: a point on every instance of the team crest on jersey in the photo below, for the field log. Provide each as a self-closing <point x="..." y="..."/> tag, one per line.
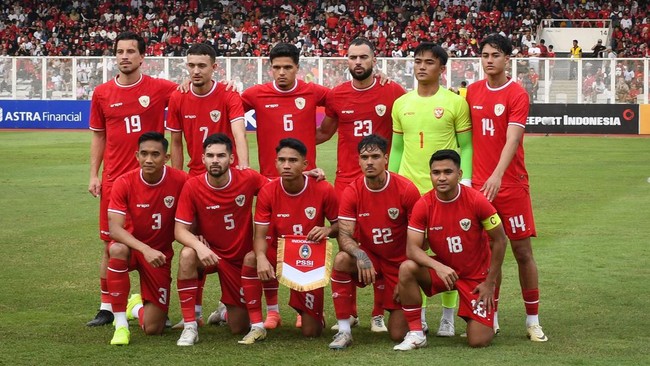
<point x="499" y="109"/>
<point x="215" y="116"/>
<point x="240" y="200"/>
<point x="380" y="109"/>
<point x="465" y="224"/>
<point x="300" y="103"/>
<point x="310" y="212"/>
<point x="393" y="213"/>
<point x="169" y="201"/>
<point x="144" y="101"/>
<point x="305" y="251"/>
<point x="439" y="112"/>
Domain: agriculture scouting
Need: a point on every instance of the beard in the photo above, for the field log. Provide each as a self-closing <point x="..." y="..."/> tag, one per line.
<point x="363" y="76"/>
<point x="218" y="172"/>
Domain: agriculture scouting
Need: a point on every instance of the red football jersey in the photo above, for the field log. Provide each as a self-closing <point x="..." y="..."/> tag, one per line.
<point x="125" y="113"/>
<point x="295" y="214"/>
<point x="360" y="112"/>
<point x="492" y="111"/>
<point x="281" y="114"/>
<point x="381" y="215"/>
<point x="150" y="208"/>
<point x="454" y="230"/>
<point x="222" y="215"/>
<point x="199" y="116"/>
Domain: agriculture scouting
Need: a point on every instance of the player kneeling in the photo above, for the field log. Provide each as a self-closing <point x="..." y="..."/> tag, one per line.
<point x="374" y="213"/>
<point x="293" y="204"/>
<point x="217" y="204"/>
<point x="148" y="198"/>
<point x="453" y="219"/>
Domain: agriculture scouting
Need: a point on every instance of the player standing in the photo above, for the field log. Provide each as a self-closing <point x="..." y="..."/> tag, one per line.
<point x="285" y="107"/>
<point x="454" y="220"/>
<point x="121" y="110"/>
<point x="373" y="219"/>
<point x="219" y="205"/>
<point x="207" y="109"/>
<point x="359" y="108"/>
<point x="499" y="109"/>
<point x="148" y="197"/>
<point x="294" y="204"/>
<point x="426" y="120"/>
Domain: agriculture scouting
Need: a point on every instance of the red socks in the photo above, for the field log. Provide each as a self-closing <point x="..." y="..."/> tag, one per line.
<point x="118" y="284"/>
<point x="531" y="300"/>
<point x="252" y="287"/>
<point x="187" y="290"/>
<point x="342" y="294"/>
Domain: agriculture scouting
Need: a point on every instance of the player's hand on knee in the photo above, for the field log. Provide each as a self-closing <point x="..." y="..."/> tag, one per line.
<point x="207" y="256"/>
<point x="264" y="269"/>
<point x="154" y="257"/>
<point x="448" y="276"/>
<point x="202" y="240"/>
<point x="485" y="293"/>
<point x="365" y="269"/>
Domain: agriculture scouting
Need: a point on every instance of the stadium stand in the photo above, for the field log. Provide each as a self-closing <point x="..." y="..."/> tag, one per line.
<point x="250" y="28"/>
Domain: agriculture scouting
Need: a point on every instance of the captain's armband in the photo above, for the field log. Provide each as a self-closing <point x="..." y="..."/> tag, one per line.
<point x="491" y="222"/>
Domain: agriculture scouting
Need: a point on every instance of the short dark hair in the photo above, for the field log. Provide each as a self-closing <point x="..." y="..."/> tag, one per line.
<point x="285" y="50"/>
<point x="373" y="141"/>
<point x="497" y="41"/>
<point x="202" y="49"/>
<point x="292" y="143"/>
<point x="130" y="36"/>
<point x="360" y="41"/>
<point x="437" y="51"/>
<point x="463" y="83"/>
<point x="218" y="138"/>
<point x="445" y="154"/>
<point x="154" y="136"/>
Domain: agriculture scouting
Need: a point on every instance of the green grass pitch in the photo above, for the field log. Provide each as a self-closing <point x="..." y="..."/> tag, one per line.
<point x="591" y="197"/>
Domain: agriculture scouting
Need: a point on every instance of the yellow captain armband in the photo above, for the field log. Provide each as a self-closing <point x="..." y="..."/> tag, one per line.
<point x="491" y="222"/>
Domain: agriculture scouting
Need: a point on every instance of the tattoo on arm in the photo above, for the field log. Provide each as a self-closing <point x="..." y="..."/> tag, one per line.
<point x="346" y="238"/>
<point x="363" y="259"/>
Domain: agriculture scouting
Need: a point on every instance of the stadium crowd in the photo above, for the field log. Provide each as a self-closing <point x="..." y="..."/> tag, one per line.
<point x="319" y="28"/>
